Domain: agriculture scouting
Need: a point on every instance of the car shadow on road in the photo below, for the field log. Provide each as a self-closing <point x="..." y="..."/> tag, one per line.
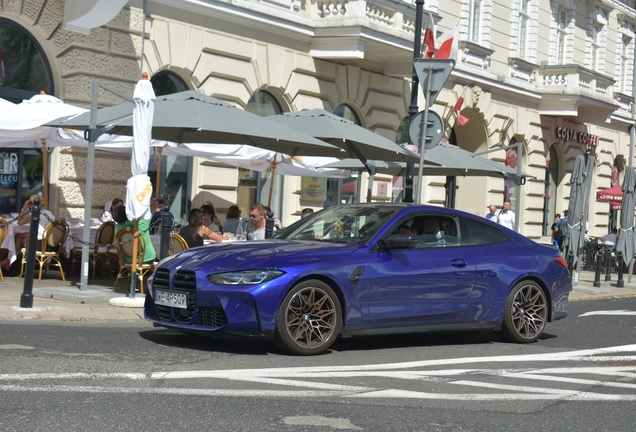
<point x="177" y="339"/>
<point x="262" y="347"/>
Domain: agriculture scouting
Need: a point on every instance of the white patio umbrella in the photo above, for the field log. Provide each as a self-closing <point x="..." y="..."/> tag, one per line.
<point x="262" y="160"/>
<point x="21" y="125"/>
<point x="139" y="187"/>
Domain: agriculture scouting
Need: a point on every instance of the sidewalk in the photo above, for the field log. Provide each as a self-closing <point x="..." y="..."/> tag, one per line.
<point x="54" y="299"/>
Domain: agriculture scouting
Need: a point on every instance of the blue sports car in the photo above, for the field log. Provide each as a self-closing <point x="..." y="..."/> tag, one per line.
<point x="364" y="269"/>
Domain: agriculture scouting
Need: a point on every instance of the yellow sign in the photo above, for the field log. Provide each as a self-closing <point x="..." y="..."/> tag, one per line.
<point x="314" y="189"/>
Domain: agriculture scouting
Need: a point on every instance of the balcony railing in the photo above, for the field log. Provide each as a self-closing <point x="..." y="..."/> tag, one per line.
<point x="575" y="80"/>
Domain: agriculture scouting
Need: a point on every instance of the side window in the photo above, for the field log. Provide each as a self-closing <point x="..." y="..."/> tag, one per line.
<point x="477" y="233"/>
<point x="432" y="231"/>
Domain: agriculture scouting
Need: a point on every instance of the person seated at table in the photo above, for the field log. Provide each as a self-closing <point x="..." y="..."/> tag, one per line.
<point x="19" y="234"/>
<point x="255" y="228"/>
<point x="209" y="214"/>
<point x="107" y="216"/>
<point x="609" y="239"/>
<point x="195" y="231"/>
<point x="119" y="215"/>
<point x="157" y="207"/>
<point x="233" y="216"/>
<point x="215" y="219"/>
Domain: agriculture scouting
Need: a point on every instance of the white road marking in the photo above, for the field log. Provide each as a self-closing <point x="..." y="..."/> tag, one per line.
<point x="313" y="382"/>
<point x="609" y="313"/>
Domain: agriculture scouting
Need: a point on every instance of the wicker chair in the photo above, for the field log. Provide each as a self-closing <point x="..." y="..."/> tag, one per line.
<point x="124" y="239"/>
<point x="101" y="251"/>
<point x="4" y="229"/>
<point x="52" y="243"/>
<point x="177" y="244"/>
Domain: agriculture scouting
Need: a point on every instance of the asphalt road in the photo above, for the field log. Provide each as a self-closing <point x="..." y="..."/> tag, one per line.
<point x="95" y="376"/>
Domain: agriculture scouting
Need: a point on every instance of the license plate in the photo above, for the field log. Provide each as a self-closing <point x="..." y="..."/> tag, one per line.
<point x="172" y="299"/>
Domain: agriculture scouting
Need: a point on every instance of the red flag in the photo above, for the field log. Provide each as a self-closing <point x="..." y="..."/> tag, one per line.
<point x="428" y="41"/>
<point x="458" y="107"/>
<point x="448" y="48"/>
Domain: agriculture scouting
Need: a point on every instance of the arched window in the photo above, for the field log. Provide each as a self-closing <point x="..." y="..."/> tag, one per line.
<point x="24" y="70"/>
<point x="344" y="111"/>
<point x="167" y="82"/>
<point x="263" y="104"/>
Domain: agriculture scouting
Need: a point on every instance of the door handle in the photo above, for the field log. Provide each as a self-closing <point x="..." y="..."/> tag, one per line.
<point x="459" y="262"/>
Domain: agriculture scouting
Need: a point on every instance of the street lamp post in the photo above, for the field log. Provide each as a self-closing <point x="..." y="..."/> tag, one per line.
<point x="413" y="107"/>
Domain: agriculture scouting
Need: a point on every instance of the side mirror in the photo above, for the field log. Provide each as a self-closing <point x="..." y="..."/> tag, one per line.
<point x="400" y="241"/>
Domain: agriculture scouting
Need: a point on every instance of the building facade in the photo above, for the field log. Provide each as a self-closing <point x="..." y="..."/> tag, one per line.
<point x="555" y="76"/>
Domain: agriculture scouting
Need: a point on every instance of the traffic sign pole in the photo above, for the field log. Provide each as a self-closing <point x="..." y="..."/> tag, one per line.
<point x="423" y="127"/>
<point x="432" y="74"/>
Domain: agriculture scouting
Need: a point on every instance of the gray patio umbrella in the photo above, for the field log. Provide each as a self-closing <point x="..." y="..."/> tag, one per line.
<point x="355" y="141"/>
<point x="577" y="209"/>
<point x="625" y="240"/>
<point x="192" y="117"/>
<point x="450" y="160"/>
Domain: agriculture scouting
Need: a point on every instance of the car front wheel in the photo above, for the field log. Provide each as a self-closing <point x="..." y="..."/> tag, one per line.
<point x="308" y="319"/>
<point x="525" y="313"/>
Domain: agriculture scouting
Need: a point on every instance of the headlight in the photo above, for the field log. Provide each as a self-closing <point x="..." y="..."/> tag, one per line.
<point x="247" y="277"/>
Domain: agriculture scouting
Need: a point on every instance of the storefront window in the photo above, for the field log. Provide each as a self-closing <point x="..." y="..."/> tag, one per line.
<point x="174" y="170"/>
<point x="19" y="167"/>
<point x="24" y="70"/>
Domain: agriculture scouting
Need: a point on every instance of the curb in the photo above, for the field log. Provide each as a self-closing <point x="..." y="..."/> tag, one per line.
<point x="137" y="302"/>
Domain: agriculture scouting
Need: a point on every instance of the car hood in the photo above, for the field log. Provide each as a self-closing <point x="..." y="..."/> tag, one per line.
<point x="255" y="254"/>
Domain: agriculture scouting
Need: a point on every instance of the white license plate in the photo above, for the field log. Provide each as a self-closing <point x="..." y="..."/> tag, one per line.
<point x="172" y="299"/>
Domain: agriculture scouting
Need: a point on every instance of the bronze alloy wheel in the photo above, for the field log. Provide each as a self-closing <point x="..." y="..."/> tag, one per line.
<point x="309" y="318"/>
<point x="526" y="313"/>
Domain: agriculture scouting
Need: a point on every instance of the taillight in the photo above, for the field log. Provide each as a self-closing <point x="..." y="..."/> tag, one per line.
<point x="559" y="260"/>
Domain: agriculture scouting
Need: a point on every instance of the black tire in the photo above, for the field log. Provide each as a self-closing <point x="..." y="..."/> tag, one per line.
<point x="309" y="318"/>
<point x="525" y="313"/>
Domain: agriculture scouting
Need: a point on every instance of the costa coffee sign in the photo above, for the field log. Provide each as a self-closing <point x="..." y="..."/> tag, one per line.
<point x="581" y="137"/>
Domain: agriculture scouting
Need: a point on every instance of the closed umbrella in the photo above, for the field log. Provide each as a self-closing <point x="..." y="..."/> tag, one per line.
<point x="139" y="187"/>
<point x="577" y="209"/>
<point x="625" y="240"/>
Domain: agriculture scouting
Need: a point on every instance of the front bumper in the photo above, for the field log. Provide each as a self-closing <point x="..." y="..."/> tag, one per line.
<point x="213" y="313"/>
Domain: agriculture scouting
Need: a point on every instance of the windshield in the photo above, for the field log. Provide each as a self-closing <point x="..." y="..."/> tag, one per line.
<point x="341" y="224"/>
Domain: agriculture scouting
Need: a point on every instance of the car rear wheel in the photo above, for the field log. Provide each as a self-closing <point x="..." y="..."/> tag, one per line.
<point x="308" y="319"/>
<point x="525" y="313"/>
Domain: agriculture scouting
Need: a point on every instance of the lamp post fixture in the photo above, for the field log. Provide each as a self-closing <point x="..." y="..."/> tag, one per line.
<point x="413" y="107"/>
